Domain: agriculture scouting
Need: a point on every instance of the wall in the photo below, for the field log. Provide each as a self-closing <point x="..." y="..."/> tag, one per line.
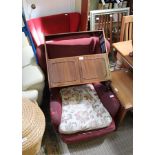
<point x="48" y="7"/>
<point x="78" y="5"/>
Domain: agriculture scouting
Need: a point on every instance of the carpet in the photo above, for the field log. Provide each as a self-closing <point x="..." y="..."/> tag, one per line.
<point x="119" y="142"/>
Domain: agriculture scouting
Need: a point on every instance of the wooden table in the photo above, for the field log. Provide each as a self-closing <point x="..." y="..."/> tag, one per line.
<point x="122" y="85"/>
<point x="124" y="48"/>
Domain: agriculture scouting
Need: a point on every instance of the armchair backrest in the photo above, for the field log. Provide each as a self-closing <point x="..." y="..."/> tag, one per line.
<point x="53" y="24"/>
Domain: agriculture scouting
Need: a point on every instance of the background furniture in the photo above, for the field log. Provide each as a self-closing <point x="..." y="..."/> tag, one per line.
<point x="33" y="127"/>
<point x="125" y="34"/>
<point x="32" y="75"/>
<point x="122" y="81"/>
<point x="109" y="20"/>
<point x="127" y="28"/>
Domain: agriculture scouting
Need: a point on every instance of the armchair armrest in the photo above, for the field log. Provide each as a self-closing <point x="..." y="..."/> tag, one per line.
<point x="108" y="98"/>
<point x="55" y="107"/>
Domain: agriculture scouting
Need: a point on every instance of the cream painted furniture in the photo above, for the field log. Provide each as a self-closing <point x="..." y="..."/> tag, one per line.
<point x="32" y="75"/>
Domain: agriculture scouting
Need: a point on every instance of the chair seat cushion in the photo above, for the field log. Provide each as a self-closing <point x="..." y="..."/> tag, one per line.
<point x="82" y="110"/>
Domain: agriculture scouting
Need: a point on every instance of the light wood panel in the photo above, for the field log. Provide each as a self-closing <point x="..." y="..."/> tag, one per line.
<point x="126" y="29"/>
<point x="124" y="48"/>
<point x="122" y="85"/>
<point x="78" y="70"/>
<point x="63" y="71"/>
<point x="94" y="68"/>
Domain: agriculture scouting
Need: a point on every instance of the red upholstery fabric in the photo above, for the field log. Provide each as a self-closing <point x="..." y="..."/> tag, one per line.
<point x="61" y="23"/>
<point x="73" y="47"/>
<point x="108" y="98"/>
<point x="55" y="107"/>
<point x="111" y="104"/>
<point x="85" y="136"/>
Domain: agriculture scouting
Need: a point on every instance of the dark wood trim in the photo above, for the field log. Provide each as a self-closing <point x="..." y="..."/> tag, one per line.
<point x="84" y="15"/>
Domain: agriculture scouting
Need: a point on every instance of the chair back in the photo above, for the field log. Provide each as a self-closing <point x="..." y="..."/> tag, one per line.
<point x="126" y="28"/>
<point x="104" y="22"/>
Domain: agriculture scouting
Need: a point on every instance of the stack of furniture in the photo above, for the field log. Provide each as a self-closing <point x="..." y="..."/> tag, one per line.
<point x="73" y="61"/>
<point x="32" y="75"/>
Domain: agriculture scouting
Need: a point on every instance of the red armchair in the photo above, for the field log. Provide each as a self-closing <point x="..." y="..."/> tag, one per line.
<point x="109" y="101"/>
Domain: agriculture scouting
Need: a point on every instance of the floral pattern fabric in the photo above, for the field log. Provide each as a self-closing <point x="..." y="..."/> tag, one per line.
<point x="82" y="110"/>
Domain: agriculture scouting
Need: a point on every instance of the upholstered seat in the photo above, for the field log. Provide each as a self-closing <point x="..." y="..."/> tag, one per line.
<point x="107" y="98"/>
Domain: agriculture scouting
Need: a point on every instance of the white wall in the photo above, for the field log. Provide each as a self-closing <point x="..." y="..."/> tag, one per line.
<point x="78" y="5"/>
<point x="48" y="7"/>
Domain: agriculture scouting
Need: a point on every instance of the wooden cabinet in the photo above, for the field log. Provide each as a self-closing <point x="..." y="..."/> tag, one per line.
<point x="78" y="70"/>
<point x="63" y="71"/>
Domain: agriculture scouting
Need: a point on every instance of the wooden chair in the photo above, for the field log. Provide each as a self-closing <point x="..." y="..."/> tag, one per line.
<point x="122" y="81"/>
<point x="126" y="28"/>
<point x="105" y="22"/>
<point x="126" y="34"/>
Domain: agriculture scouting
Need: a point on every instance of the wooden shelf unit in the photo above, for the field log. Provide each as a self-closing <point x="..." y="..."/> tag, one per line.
<point x="78" y="70"/>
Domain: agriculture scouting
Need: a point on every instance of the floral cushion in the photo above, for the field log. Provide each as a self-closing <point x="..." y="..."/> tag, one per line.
<point x="82" y="110"/>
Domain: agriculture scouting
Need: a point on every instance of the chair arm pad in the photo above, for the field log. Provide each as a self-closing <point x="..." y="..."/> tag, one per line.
<point x="55" y="108"/>
<point x="108" y="98"/>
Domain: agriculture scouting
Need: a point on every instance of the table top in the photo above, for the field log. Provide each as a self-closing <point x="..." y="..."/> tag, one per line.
<point x="122" y="85"/>
<point x="124" y="48"/>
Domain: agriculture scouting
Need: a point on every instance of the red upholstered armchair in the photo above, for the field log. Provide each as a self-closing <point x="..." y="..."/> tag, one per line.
<point x="107" y="98"/>
<point x="75" y="44"/>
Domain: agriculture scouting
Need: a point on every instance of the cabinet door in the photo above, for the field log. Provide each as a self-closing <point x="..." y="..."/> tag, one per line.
<point x="63" y="72"/>
<point x="94" y="68"/>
